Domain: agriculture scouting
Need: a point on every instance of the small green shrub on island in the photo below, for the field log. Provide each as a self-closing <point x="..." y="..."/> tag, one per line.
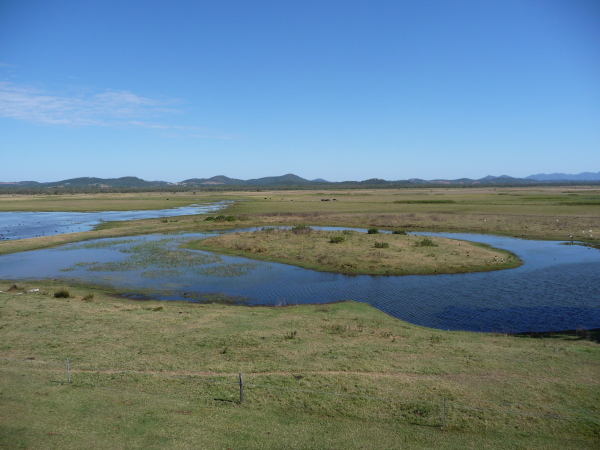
<point x="372" y="231"/>
<point x="381" y="245"/>
<point x="425" y="242"/>
<point x="62" y="293"/>
<point x="402" y="232"/>
<point x="336" y="239"/>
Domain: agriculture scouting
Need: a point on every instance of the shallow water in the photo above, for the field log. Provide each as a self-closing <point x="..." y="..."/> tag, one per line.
<point x="555" y="289"/>
<point x="23" y="225"/>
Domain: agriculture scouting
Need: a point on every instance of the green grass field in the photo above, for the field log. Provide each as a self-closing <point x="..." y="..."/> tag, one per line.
<point x="165" y="375"/>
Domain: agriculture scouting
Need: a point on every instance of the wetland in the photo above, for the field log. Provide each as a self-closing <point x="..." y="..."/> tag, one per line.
<point x="156" y="334"/>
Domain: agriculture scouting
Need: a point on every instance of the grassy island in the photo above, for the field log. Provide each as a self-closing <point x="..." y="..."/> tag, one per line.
<point x="356" y="252"/>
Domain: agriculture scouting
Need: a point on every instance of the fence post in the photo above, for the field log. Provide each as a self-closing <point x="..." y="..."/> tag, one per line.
<point x="443" y="412"/>
<point x="241" y="388"/>
<point x="68" y="372"/>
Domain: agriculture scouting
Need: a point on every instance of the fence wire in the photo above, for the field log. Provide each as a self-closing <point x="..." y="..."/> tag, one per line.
<point x="448" y="404"/>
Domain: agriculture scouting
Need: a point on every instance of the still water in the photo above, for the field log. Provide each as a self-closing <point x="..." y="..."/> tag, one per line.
<point x="23" y="225"/>
<point x="555" y="289"/>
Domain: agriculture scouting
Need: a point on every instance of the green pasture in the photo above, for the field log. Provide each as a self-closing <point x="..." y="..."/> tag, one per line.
<point x="148" y="374"/>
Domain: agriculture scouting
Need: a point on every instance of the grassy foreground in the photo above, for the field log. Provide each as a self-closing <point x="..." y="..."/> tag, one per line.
<point x="360" y="253"/>
<point x="165" y="375"/>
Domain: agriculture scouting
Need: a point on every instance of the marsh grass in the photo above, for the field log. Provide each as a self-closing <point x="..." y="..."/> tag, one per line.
<point x="164" y="375"/>
<point x="425" y="242"/>
<point x="62" y="293"/>
<point x="379" y="244"/>
<point x="227" y="270"/>
<point x="156" y="255"/>
<point x="403" y="254"/>
<point x="548" y="213"/>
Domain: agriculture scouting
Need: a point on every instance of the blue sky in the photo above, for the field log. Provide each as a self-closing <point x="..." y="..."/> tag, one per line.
<point x="341" y="90"/>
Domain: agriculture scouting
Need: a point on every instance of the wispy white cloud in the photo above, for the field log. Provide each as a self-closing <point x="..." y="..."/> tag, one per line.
<point x="212" y="136"/>
<point x="100" y="108"/>
<point x="86" y="107"/>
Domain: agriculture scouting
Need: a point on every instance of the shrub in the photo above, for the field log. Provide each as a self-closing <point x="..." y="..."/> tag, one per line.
<point x="381" y="245"/>
<point x="372" y="231"/>
<point x="425" y="242"/>
<point x="209" y="218"/>
<point x="336" y="239"/>
<point x="62" y="293"/>
<point x="348" y="232"/>
<point x="301" y="229"/>
<point x="164" y="221"/>
<point x="402" y="232"/>
<point x="87" y="298"/>
<point x="222" y="218"/>
<point x="291" y="335"/>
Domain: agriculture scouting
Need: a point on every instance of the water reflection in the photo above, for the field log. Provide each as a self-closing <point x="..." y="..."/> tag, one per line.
<point x="553" y="290"/>
<point x="23" y="225"/>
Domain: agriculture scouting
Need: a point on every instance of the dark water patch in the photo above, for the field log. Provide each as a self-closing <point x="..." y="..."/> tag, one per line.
<point x="580" y="334"/>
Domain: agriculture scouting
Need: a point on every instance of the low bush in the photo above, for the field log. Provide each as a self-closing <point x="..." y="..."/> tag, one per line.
<point x="62" y="293"/>
<point x="372" y="231"/>
<point x="301" y="229"/>
<point x="86" y="298"/>
<point x="402" y="232"/>
<point x="291" y="335"/>
<point x="381" y="245"/>
<point x="425" y="242"/>
<point x="222" y="218"/>
<point x="336" y="239"/>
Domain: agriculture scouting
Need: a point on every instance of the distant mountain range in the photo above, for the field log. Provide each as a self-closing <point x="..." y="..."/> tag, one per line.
<point x="584" y="176"/>
<point x="289" y="181"/>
